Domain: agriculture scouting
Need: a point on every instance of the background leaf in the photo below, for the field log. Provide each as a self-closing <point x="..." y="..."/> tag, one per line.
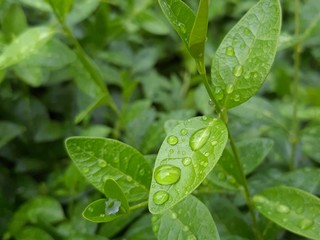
<point x="189" y="219"/>
<point x="246" y="54"/>
<point x="291" y="208"/>
<point x="9" y="131"/>
<point x="187" y="155"/>
<point x="99" y="159"/>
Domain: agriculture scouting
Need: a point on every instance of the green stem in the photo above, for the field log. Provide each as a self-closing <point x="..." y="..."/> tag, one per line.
<point x="139" y="205"/>
<point x="295" y="89"/>
<point x="224" y="117"/>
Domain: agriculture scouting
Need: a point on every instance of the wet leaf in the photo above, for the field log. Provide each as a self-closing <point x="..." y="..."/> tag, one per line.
<point x="112" y="190"/>
<point x="187" y="155"/>
<point x="99" y="159"/>
<point x="245" y="56"/>
<point x="292" y="209"/>
<point x="185" y="221"/>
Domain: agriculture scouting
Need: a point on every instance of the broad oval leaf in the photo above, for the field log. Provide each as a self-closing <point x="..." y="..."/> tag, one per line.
<point x="103" y="210"/>
<point x="180" y="16"/>
<point x="99" y="159"/>
<point x="292" y="209"/>
<point x="25" y="45"/>
<point x="246" y="54"/>
<point x="187" y="155"/>
<point x="189" y="219"/>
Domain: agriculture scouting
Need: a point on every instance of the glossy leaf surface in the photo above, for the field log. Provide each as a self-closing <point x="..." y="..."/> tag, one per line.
<point x="25" y="45"/>
<point x="292" y="209"/>
<point x="180" y="16"/>
<point x="187" y="155"/>
<point x="189" y="219"/>
<point x="245" y="56"/>
<point x="99" y="159"/>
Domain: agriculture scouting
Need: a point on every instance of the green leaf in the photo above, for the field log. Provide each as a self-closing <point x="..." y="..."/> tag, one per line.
<point x="310" y="142"/>
<point x="190" y="219"/>
<point x="9" y="131"/>
<point x="246" y="54"/>
<point x="60" y="7"/>
<point x="113" y="190"/>
<point x="187" y="155"/>
<point x="180" y="16"/>
<point x="25" y="45"/>
<point x="29" y="233"/>
<point x="292" y="209"/>
<point x="103" y="210"/>
<point x="99" y="159"/>
<point x="198" y="35"/>
<point x="253" y="152"/>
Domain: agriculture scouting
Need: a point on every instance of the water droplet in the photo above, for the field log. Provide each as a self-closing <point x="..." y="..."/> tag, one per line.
<point x="230" y="88"/>
<point x="236" y="98"/>
<point x="230" y="51"/>
<point x="174" y="216"/>
<point x="183" y="132"/>
<point x="90" y="209"/>
<point x="186" y="161"/>
<point x="185" y="228"/>
<point x="160" y="197"/>
<point x="182" y="27"/>
<point x="204" y="118"/>
<point x="183" y="153"/>
<point x="204" y="163"/>
<point x="218" y="93"/>
<point x="283" y="209"/>
<point x="129" y="178"/>
<point x="141" y="172"/>
<point x="247" y="75"/>
<point x="102" y="215"/>
<point x="85" y="170"/>
<point x="237" y="70"/>
<point x="102" y="163"/>
<point x="155" y="228"/>
<point x="172" y="140"/>
<point x="112" y="206"/>
<point x="231" y="180"/>
<point x="199" y="138"/>
<point x="255" y="75"/>
<point x="206" y="154"/>
<point x="167" y="174"/>
<point x="210" y="102"/>
<point x="214" y="143"/>
<point x="191" y="237"/>
<point x="299" y="210"/>
<point x="246" y="31"/>
<point x="259" y="199"/>
<point x="305" y="224"/>
<point x="171" y="151"/>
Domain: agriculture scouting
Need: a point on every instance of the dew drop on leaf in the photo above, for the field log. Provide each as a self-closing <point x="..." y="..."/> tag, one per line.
<point x="236" y="98"/>
<point x="160" y="197"/>
<point x="182" y="27"/>
<point x="305" y="224"/>
<point x="102" y="163"/>
<point x="237" y="70"/>
<point x="186" y="161"/>
<point x="199" y="138"/>
<point x="299" y="210"/>
<point x="185" y="228"/>
<point x="174" y="216"/>
<point x="167" y="174"/>
<point x="183" y="132"/>
<point x="85" y="170"/>
<point x="172" y="140"/>
<point x="90" y="209"/>
<point x="214" y="143"/>
<point x="230" y="51"/>
<point x="129" y="178"/>
<point x="102" y="215"/>
<point x="283" y="209"/>
<point x="204" y="118"/>
<point x="141" y="172"/>
<point x="210" y="102"/>
<point x="230" y="88"/>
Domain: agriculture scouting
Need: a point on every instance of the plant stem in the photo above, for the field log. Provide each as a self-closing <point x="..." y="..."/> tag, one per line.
<point x="223" y="115"/>
<point x="139" y="205"/>
<point x="295" y="89"/>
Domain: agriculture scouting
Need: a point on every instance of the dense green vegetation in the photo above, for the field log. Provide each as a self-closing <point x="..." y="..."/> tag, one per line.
<point x="133" y="120"/>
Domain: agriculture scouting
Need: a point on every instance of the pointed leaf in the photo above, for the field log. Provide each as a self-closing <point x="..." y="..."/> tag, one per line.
<point x="246" y="54"/>
<point x="99" y="159"/>
<point x="198" y="35"/>
<point x="60" y="7"/>
<point x="180" y="16"/>
<point x="292" y="209"/>
<point x="189" y="219"/>
<point x="25" y="45"/>
<point x="103" y="210"/>
<point x="186" y="157"/>
<point x="113" y="190"/>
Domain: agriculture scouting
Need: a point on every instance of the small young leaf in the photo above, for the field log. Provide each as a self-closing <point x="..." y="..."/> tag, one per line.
<point x="25" y="45"/>
<point x="187" y="155"/>
<point x="103" y="210"/>
<point x="292" y="209"/>
<point x="180" y="16"/>
<point x="60" y="7"/>
<point x="189" y="219"/>
<point x="99" y="159"/>
<point x="246" y="54"/>
<point x="198" y="33"/>
<point x="112" y="190"/>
